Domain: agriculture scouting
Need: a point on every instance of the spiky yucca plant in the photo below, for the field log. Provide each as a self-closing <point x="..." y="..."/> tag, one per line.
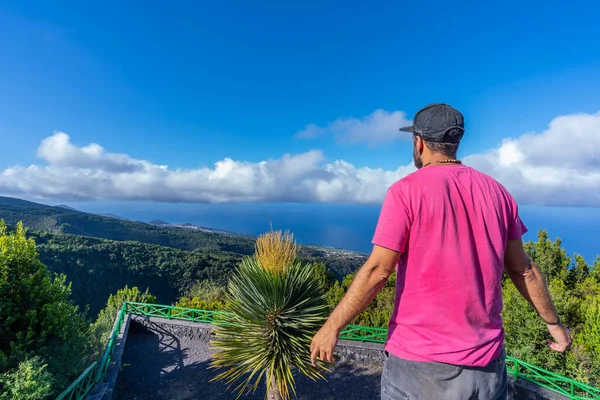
<point x="276" y="305"/>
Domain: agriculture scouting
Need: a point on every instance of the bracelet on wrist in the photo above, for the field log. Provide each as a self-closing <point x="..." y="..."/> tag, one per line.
<point x="554" y="323"/>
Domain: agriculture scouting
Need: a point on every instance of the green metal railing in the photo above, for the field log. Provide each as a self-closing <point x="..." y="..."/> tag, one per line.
<point x="364" y="334"/>
<point x="82" y="385"/>
<point x="94" y="374"/>
<point x="171" y="312"/>
<point x="561" y="384"/>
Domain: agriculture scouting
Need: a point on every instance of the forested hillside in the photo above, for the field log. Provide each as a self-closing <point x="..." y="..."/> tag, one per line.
<point x="62" y="220"/>
<point x="101" y="254"/>
<point x="40" y="217"/>
<point x="99" y="267"/>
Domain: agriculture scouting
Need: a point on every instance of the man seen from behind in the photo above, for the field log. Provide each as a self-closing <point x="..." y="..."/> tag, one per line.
<point x="449" y="231"/>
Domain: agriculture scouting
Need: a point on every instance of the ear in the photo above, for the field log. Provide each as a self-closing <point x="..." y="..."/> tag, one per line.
<point x="419" y="144"/>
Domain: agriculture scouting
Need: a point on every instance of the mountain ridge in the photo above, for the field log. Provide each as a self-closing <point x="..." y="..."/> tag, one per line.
<point x="69" y="220"/>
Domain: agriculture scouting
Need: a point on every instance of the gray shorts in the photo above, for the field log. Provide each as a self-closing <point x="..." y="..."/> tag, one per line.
<point x="403" y="379"/>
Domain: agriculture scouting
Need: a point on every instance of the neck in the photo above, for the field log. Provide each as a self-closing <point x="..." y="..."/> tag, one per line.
<point x="441" y="160"/>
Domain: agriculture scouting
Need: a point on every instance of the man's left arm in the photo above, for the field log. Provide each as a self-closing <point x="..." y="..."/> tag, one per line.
<point x="368" y="282"/>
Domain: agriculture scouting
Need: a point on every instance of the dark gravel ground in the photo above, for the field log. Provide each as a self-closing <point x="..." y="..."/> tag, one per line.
<point x="162" y="366"/>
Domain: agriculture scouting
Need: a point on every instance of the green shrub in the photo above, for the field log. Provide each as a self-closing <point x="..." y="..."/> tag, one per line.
<point x="102" y="328"/>
<point x="30" y="381"/>
<point x="378" y="313"/>
<point x="37" y="317"/>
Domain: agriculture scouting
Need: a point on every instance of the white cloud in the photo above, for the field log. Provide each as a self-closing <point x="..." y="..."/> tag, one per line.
<point x="376" y="128"/>
<point x="559" y="166"/>
<point x="90" y="172"/>
<point x="58" y="150"/>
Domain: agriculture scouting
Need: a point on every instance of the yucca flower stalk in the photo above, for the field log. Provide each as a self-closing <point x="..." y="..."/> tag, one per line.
<point x="276" y="251"/>
<point x="276" y="305"/>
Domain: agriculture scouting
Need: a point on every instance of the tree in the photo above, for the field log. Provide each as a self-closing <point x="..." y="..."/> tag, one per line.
<point x="277" y="304"/>
<point x="380" y="310"/>
<point x="30" y="381"/>
<point x="588" y="339"/>
<point x="578" y="272"/>
<point x="104" y="324"/>
<point x="595" y="270"/>
<point x="203" y="295"/>
<point x="573" y="288"/>
<point x="324" y="275"/>
<point x="549" y="256"/>
<point x="37" y="318"/>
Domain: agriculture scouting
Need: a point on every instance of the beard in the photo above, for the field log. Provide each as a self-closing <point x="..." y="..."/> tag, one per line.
<point x="417" y="158"/>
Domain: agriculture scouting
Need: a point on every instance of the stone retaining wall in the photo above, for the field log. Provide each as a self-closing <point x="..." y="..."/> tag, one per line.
<point x="197" y="331"/>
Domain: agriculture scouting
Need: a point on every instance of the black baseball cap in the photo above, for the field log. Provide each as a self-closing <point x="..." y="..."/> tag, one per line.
<point x="438" y="122"/>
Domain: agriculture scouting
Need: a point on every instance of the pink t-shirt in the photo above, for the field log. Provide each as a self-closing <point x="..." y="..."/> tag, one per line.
<point x="451" y="224"/>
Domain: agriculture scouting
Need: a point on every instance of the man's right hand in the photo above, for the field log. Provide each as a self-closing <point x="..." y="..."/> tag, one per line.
<point x="562" y="338"/>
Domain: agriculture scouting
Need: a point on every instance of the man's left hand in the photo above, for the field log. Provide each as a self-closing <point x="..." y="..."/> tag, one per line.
<point x="323" y="344"/>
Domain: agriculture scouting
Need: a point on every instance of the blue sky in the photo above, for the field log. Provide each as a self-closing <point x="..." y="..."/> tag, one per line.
<point x="190" y="84"/>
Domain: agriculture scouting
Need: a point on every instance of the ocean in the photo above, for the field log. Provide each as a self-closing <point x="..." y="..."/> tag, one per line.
<point x="347" y="226"/>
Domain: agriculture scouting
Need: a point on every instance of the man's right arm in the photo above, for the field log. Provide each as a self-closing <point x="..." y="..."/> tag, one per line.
<point x="528" y="279"/>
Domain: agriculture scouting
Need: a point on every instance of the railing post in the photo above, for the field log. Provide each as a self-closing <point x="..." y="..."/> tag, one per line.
<point x="516" y="368"/>
<point x="169" y="312"/>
